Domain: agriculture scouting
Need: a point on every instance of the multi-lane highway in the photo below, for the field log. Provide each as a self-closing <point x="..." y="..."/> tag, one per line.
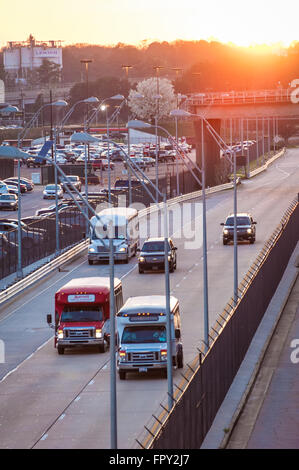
<point x="52" y="401"/>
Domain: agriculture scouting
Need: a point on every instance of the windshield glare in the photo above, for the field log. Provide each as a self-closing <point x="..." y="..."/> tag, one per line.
<point x="153" y="246"/>
<point x="240" y="221"/>
<point x="144" y="334"/>
<point x="82" y="314"/>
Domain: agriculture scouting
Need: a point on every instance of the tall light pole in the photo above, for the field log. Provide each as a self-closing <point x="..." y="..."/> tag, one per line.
<point x="21" y="136"/>
<point x="157" y="69"/>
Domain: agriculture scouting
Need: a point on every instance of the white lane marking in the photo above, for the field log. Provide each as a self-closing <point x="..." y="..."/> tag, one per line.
<point x="26" y="358"/>
<point x="49" y="287"/>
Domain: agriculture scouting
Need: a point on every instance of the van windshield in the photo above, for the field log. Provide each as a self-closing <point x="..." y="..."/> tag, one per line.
<point x="76" y="313"/>
<point x="144" y="334"/>
<point x="149" y="247"/>
<point x="240" y="221"/>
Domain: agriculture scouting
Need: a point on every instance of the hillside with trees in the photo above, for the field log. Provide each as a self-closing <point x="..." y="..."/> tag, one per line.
<point x="193" y="65"/>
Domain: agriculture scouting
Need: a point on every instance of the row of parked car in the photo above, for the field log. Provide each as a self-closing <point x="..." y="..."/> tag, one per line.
<point x="9" y="192"/>
<point x="142" y="154"/>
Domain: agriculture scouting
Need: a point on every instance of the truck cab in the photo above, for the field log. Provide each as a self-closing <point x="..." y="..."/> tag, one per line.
<point x="141" y="332"/>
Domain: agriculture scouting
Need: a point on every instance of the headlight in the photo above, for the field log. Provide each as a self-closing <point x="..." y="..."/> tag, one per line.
<point x="91" y="250"/>
<point x="249" y="230"/>
<point x="225" y="231"/>
<point x="141" y="259"/>
<point x="164" y="354"/>
<point x="98" y="333"/>
<point x="122" y="355"/>
<point x="122" y="249"/>
<point x="60" y="334"/>
<point x="169" y="258"/>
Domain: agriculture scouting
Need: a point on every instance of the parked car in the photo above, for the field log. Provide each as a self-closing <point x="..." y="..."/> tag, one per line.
<point x="152" y="255"/>
<point x="28" y="183"/>
<point x="71" y="179"/>
<point x="97" y="163"/>
<point x="50" y="192"/>
<point x="245" y="228"/>
<point x="3" y="188"/>
<point x="8" y="249"/>
<point x="29" y="237"/>
<point x="14" y="183"/>
<point x="9" y="201"/>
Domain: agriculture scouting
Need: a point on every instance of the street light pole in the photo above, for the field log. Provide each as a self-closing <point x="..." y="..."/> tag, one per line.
<point x="236" y="296"/>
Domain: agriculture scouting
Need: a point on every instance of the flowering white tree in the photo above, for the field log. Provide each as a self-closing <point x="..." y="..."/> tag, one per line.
<point x="148" y="106"/>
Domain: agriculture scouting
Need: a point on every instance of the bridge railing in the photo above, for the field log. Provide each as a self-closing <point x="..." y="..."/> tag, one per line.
<point x="240" y="97"/>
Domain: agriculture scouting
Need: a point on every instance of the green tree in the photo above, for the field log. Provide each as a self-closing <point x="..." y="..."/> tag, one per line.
<point x="48" y="72"/>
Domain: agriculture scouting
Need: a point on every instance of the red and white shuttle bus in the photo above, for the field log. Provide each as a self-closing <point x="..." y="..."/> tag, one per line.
<point x="81" y="308"/>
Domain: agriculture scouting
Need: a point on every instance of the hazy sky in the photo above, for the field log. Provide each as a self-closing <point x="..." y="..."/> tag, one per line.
<point x="132" y="21"/>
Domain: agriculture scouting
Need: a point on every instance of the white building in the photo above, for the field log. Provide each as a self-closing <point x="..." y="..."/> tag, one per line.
<point x="21" y="57"/>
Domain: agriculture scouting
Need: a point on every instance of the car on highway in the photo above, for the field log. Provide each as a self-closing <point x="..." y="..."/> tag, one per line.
<point x="50" y="192"/>
<point x="152" y="255"/>
<point x="245" y="228"/>
<point x="9" y="201"/>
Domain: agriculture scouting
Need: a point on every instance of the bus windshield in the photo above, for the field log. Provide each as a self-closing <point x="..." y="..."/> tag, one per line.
<point x="118" y="233"/>
<point x="144" y="334"/>
<point x="78" y="313"/>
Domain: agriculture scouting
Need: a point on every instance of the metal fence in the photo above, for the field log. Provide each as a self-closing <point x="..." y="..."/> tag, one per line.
<point x="39" y="239"/>
<point x="208" y="378"/>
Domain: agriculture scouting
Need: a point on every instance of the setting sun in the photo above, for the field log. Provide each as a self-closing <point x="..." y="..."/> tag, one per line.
<point x="139" y="21"/>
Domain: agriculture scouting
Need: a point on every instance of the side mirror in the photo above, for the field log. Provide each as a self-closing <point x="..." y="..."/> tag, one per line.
<point x="222" y="224"/>
<point x="49" y="321"/>
<point x="175" y="247"/>
<point x="137" y="250"/>
<point x="177" y="333"/>
<point x="254" y="223"/>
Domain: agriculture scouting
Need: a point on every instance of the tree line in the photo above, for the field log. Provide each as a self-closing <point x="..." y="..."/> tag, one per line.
<point x="193" y="66"/>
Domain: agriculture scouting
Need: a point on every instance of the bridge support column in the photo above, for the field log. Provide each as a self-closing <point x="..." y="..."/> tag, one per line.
<point x="211" y="149"/>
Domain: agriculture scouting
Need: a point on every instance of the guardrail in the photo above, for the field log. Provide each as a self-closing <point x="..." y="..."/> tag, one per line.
<point x="240" y="97"/>
<point x="264" y="167"/>
<point x="37" y="275"/>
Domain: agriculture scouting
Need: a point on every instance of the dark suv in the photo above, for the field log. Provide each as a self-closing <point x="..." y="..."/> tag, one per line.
<point x="152" y="255"/>
<point x="245" y="228"/>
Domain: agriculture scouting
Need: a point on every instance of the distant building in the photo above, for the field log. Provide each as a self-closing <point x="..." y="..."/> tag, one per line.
<point x="20" y="58"/>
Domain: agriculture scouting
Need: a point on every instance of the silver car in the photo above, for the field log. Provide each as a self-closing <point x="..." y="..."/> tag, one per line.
<point x="50" y="191"/>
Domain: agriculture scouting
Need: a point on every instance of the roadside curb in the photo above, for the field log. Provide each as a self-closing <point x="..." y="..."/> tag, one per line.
<point x="237" y="395"/>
